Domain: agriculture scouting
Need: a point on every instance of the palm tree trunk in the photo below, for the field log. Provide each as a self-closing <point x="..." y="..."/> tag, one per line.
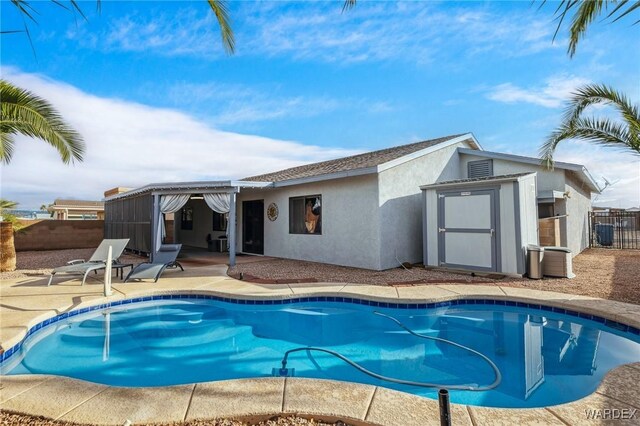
<point x="7" y="248"/>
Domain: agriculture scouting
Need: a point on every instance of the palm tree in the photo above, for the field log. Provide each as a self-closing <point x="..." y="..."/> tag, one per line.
<point x="8" y="249"/>
<point x="585" y="13"/>
<point x="624" y="133"/>
<point x="23" y="112"/>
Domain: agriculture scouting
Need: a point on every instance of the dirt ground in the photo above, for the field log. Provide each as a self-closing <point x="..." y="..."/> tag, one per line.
<point x="604" y="273"/>
<point x="14" y="419"/>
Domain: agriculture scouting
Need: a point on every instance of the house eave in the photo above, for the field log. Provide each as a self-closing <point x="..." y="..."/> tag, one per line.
<point x="190" y="187"/>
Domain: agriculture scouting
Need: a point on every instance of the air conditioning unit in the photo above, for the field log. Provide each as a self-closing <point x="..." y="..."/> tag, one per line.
<point x="557" y="262"/>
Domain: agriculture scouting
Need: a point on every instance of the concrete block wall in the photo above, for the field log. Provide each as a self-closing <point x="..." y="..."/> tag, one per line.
<point x="59" y="234"/>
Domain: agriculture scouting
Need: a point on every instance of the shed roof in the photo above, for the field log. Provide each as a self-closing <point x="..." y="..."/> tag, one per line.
<point x="500" y="178"/>
<point x="354" y="162"/>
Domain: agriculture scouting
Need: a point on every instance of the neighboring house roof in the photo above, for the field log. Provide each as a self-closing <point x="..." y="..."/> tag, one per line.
<point x="579" y="169"/>
<point x="73" y="204"/>
<point x="492" y="179"/>
<point x="365" y="163"/>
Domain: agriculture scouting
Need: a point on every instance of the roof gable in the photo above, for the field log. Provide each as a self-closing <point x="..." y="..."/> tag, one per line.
<point x="366" y="161"/>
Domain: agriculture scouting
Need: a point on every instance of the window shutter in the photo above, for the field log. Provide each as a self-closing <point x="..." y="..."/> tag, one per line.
<point x="478" y="169"/>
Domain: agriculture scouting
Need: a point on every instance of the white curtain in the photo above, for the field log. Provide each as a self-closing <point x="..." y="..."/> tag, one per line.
<point x="220" y="203"/>
<point x="169" y="204"/>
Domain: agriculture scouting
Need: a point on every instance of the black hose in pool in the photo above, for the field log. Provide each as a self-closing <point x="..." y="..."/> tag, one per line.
<point x="468" y="387"/>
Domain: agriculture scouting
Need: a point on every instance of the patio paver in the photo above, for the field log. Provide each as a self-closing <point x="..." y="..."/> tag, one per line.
<point x="25" y="302"/>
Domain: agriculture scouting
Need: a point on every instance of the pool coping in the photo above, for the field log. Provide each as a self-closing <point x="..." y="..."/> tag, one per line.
<point x="76" y="400"/>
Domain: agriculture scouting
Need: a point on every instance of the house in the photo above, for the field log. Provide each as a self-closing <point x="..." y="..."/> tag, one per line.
<point x="77" y="209"/>
<point x="364" y="210"/>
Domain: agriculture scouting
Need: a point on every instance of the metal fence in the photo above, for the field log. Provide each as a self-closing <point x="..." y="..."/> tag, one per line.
<point x="617" y="230"/>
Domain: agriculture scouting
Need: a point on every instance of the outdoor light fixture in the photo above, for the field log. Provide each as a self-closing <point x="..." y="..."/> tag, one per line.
<point x="196" y="197"/>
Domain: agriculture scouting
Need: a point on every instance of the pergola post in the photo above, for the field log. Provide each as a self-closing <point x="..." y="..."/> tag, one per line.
<point x="232" y="228"/>
<point x="155" y="224"/>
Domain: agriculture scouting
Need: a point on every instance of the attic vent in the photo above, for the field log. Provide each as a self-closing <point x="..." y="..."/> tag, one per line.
<point x="478" y="169"/>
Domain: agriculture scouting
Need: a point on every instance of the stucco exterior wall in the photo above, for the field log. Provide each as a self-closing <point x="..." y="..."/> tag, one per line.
<point x="578" y="206"/>
<point x="547" y="179"/>
<point x="574" y="229"/>
<point x="350" y="223"/>
<point x="400" y="203"/>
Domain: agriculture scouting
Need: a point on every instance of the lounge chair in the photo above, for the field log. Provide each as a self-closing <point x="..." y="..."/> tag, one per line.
<point x="97" y="261"/>
<point x="163" y="259"/>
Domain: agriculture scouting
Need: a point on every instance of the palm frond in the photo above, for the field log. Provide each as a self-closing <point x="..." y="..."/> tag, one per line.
<point x="220" y="9"/>
<point x="7" y="204"/>
<point x="25" y="113"/>
<point x="633" y="7"/>
<point x="601" y="94"/>
<point x="587" y="12"/>
<point x="348" y="5"/>
<point x="7" y="145"/>
<point x="623" y="133"/>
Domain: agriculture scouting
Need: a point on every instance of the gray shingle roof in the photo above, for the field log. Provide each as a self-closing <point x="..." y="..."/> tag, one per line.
<point x="354" y="162"/>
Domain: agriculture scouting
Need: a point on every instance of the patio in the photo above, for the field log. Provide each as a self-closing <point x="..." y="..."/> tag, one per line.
<point x="27" y="300"/>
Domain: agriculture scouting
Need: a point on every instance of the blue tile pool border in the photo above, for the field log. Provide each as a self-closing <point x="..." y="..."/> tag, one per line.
<point x="618" y="326"/>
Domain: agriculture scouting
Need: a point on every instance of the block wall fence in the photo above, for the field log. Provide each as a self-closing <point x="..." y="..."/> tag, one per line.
<point x="64" y="234"/>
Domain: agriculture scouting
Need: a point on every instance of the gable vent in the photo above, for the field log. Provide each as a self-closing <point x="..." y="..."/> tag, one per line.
<point x="478" y="169"/>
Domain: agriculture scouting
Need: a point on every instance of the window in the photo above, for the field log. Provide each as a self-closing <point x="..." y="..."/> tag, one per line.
<point x="186" y="219"/>
<point x="305" y="215"/>
<point x="478" y="169"/>
<point x="219" y="221"/>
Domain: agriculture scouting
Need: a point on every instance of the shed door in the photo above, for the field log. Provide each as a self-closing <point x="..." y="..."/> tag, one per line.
<point x="467" y="229"/>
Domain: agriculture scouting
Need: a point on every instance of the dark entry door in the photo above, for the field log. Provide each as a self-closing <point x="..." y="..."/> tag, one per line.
<point x="253" y="226"/>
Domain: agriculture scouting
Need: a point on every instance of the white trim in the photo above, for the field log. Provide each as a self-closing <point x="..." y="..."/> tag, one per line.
<point x="188" y="187"/>
<point x="579" y="168"/>
<point x="406" y="158"/>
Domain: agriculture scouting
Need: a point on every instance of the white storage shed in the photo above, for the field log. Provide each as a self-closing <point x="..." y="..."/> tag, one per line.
<point x="483" y="224"/>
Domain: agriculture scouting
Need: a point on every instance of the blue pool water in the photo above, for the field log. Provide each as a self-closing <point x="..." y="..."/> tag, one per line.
<point x="545" y="358"/>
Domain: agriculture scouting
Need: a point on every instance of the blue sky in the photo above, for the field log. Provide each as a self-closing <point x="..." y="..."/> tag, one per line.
<point x="151" y="81"/>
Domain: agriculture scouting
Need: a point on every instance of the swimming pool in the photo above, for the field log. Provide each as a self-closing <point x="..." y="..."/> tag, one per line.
<point x="544" y="357"/>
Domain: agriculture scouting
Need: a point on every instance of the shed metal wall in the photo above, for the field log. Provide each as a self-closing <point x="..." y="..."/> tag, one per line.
<point x="130" y="218"/>
<point x="517" y="223"/>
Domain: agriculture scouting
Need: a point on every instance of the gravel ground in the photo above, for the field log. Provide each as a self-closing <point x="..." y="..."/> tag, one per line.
<point x="30" y="263"/>
<point x="608" y="274"/>
<point x="285" y="269"/>
<point x="14" y="419"/>
<point x="604" y="273"/>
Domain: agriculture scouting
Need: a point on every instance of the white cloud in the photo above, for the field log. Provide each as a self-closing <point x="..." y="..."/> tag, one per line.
<point x="130" y="144"/>
<point x="418" y="32"/>
<point x="620" y="167"/>
<point x="552" y="94"/>
<point x="236" y="103"/>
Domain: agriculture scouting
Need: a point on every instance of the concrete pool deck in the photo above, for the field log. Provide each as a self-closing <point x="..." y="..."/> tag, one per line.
<point x="27" y="301"/>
